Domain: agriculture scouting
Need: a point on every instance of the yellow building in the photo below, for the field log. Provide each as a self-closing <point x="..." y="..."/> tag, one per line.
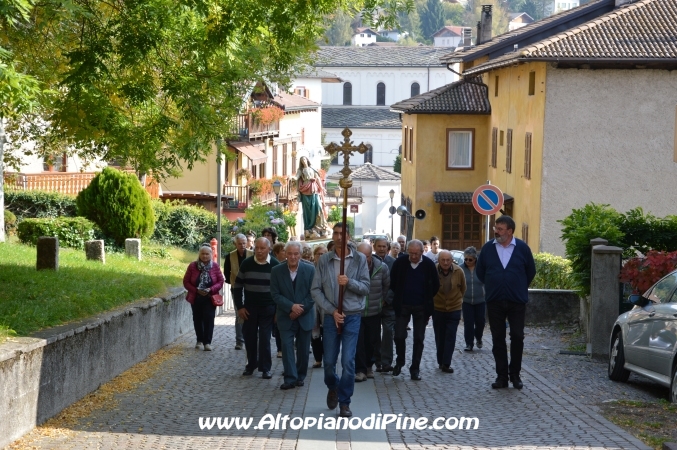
<point x="554" y="114"/>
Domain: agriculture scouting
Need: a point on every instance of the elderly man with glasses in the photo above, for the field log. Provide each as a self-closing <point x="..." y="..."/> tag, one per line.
<point x="414" y="283"/>
<point x="506" y="267"/>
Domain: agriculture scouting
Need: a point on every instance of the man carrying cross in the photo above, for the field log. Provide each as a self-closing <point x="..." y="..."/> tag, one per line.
<point x="325" y="292"/>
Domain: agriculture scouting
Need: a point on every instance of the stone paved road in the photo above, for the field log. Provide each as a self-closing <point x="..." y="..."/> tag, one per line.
<point x="163" y="412"/>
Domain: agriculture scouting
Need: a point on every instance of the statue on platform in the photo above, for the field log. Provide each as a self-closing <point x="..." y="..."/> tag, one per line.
<point x="311" y="198"/>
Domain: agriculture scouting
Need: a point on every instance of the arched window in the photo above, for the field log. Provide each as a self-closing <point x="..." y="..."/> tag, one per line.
<point x="380" y="94"/>
<point x="369" y="154"/>
<point x="415" y="89"/>
<point x="347" y="94"/>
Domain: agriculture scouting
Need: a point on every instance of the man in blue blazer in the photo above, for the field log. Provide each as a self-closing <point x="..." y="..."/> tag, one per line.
<point x="290" y="284"/>
<point x="507" y="268"/>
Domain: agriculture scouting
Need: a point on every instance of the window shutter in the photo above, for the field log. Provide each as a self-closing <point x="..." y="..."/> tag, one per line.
<point x="527" y="156"/>
<point x="494" y="147"/>
<point x="508" y="152"/>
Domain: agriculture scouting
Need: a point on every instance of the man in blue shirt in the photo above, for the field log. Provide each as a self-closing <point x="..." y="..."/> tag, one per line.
<point x="506" y="267"/>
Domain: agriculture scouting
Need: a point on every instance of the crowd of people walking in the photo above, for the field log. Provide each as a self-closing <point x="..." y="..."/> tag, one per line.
<point x="291" y="291"/>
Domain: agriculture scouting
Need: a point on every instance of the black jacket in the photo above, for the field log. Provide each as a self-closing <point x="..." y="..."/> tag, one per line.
<point x="398" y="279"/>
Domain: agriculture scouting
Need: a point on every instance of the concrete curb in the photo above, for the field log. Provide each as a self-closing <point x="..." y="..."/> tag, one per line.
<point x="48" y="371"/>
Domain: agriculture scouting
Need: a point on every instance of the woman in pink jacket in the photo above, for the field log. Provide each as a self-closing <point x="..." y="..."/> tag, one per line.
<point x="203" y="279"/>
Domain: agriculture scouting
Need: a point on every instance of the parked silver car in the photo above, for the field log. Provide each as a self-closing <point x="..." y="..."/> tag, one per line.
<point x="644" y="339"/>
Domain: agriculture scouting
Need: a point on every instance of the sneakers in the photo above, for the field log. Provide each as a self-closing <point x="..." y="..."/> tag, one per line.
<point x="332" y="399"/>
<point x="197" y="345"/>
<point x="468" y="348"/>
<point x="479" y="343"/>
<point x="370" y="373"/>
<point x="208" y="347"/>
<point x="238" y="346"/>
<point x="359" y="376"/>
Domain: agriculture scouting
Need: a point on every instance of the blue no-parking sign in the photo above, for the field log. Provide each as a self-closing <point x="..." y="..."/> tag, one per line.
<point x="487" y="199"/>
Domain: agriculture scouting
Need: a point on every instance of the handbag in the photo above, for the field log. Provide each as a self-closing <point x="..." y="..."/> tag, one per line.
<point x="217" y="300"/>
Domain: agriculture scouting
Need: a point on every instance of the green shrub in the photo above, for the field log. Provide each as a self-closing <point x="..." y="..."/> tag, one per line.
<point x="10" y="222"/>
<point x="118" y="203"/>
<point x="552" y="272"/>
<point x="582" y="225"/>
<point x="645" y="232"/>
<point x="36" y="204"/>
<point x="71" y="231"/>
<point x="335" y="214"/>
<point x="183" y="225"/>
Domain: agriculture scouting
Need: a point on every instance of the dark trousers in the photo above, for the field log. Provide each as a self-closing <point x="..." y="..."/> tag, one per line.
<point x="401" y="322"/>
<point x="256" y="330"/>
<point x="445" y="325"/>
<point x="276" y="335"/>
<point x="316" y="344"/>
<point x="384" y="355"/>
<point x="367" y="343"/>
<point x="203" y="318"/>
<point x="473" y="322"/>
<point x="498" y="312"/>
<point x="295" y="368"/>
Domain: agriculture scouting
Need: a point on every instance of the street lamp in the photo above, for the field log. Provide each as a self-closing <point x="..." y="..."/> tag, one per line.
<point x="276" y="188"/>
<point x="337" y="194"/>
<point x="392" y="212"/>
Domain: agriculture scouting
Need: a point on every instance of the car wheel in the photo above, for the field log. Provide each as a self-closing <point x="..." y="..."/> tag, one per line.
<point x="673" y="386"/>
<point x="617" y="360"/>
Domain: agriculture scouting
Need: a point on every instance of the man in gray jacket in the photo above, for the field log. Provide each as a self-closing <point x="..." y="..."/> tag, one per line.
<point x="370" y="327"/>
<point x="325" y="292"/>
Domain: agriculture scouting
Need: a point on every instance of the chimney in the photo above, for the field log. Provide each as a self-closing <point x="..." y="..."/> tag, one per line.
<point x="478" y="39"/>
<point x="486" y="23"/>
<point x="467" y="37"/>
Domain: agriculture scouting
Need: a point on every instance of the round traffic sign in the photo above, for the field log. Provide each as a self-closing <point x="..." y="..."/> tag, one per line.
<point x="487" y="199"/>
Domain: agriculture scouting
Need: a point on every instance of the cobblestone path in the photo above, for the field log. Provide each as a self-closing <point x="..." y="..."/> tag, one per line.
<point x="163" y="412"/>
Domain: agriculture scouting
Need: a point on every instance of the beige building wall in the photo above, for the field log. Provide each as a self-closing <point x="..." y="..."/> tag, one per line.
<point x="609" y="138"/>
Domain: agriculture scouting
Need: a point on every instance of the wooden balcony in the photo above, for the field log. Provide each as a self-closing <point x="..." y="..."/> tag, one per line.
<point x="61" y="182"/>
<point x="249" y="129"/>
<point x="240" y="197"/>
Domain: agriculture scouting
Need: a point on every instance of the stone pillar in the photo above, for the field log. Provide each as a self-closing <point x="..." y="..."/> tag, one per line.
<point x="133" y="248"/>
<point x="604" y="292"/>
<point x="95" y="251"/>
<point x="48" y="253"/>
<point x="585" y="302"/>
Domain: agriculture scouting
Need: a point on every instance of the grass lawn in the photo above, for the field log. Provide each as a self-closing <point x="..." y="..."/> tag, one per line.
<point x="32" y="300"/>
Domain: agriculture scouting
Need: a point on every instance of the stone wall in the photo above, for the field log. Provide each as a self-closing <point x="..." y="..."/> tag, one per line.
<point x="549" y="305"/>
<point x="43" y="374"/>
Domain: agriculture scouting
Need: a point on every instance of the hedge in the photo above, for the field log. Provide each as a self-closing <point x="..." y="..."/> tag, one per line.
<point x="36" y="204"/>
<point x="552" y="272"/>
<point x="10" y="222"/>
<point x="182" y="225"/>
<point x="71" y="231"/>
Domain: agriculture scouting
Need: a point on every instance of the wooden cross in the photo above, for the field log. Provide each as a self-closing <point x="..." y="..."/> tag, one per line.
<point x="347" y="149"/>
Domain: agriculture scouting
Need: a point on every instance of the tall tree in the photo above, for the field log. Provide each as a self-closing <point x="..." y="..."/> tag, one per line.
<point x="153" y="83"/>
<point x="453" y="13"/>
<point x="19" y="92"/>
<point x="338" y="31"/>
<point x="432" y="18"/>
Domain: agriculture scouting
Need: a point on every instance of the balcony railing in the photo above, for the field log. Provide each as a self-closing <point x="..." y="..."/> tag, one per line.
<point x="240" y="197"/>
<point x="248" y="128"/>
<point x="62" y="182"/>
<point x="354" y="195"/>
